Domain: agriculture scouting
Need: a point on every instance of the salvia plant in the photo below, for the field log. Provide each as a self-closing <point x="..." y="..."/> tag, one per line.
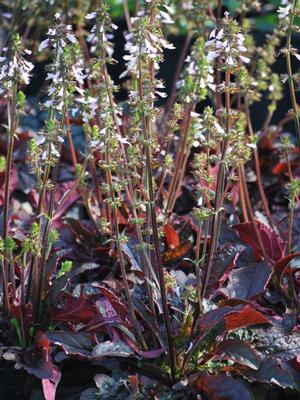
<point x="150" y="229"/>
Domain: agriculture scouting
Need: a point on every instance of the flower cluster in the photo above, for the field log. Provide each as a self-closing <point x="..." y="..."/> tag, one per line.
<point x="285" y="9"/>
<point x="102" y="50"/>
<point x="197" y="76"/>
<point x="95" y="102"/>
<point x="66" y="73"/>
<point x="100" y="35"/>
<point x="14" y="68"/>
<point x="227" y="44"/>
<point x="146" y="43"/>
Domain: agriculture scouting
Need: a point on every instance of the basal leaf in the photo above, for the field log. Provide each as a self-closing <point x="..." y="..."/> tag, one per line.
<point x="248" y="316"/>
<point x="273" y="245"/>
<point x="50" y="385"/>
<point x="249" y="281"/>
<point x="240" y="352"/>
<point x="223" y="263"/>
<point x="222" y="387"/>
<point x="112" y="349"/>
<point x="273" y="371"/>
<point x="74" y="344"/>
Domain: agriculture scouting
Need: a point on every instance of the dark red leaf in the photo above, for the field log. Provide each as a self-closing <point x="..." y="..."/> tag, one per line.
<point x="274" y="371"/>
<point x="151" y="353"/>
<point x="281" y="264"/>
<point x="117" y="348"/>
<point x="223" y="263"/>
<point x="74" y="344"/>
<point x="238" y="351"/>
<point x="74" y="309"/>
<point x="23" y="314"/>
<point x="119" y="307"/>
<point x="222" y="387"/>
<point x="36" y="362"/>
<point x="249" y="281"/>
<point x="178" y="253"/>
<point x="65" y="196"/>
<point x="209" y="320"/>
<point x="274" y="246"/>
<point x="246" y="317"/>
<point x="50" y="385"/>
<point x="172" y="237"/>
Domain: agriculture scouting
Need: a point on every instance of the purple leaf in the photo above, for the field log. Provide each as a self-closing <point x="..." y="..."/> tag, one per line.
<point x="222" y="387"/>
<point x="36" y="363"/>
<point x="273" y="245"/>
<point x="223" y="263"/>
<point x="74" y="344"/>
<point x="152" y="353"/>
<point x="112" y="349"/>
<point x="248" y="282"/>
<point x="274" y="371"/>
<point x="239" y="351"/>
<point x="50" y="385"/>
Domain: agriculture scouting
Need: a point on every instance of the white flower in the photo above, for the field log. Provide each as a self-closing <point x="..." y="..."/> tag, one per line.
<point x="220" y="34"/>
<point x="297" y="56"/>
<point x="91" y="15"/>
<point x="44" y="44"/>
<point x="51" y="32"/>
<point x="71" y="37"/>
<point x="229" y="61"/>
<point x="161" y="94"/>
<point x="166" y="19"/>
<point x="41" y="140"/>
<point x="284" y="12"/>
<point x="48" y="103"/>
<point x="244" y="59"/>
<point x="218" y="127"/>
<point x="212" y="55"/>
<point x="212" y="34"/>
<point x="226" y="45"/>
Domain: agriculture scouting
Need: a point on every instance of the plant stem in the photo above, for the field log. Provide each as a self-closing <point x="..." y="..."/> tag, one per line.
<point x="122" y="266"/>
<point x="242" y="197"/>
<point x="252" y="217"/>
<point x="197" y="266"/>
<point x="127" y="15"/>
<point x="12" y="126"/>
<point x="179" y="160"/>
<point x="179" y="66"/>
<point x="70" y="140"/>
<point x="45" y="239"/>
<point x="159" y="265"/>
<point x="215" y="225"/>
<point x="146" y="127"/>
<point x="8" y="271"/>
<point x="290" y="72"/>
<point x="257" y="167"/>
